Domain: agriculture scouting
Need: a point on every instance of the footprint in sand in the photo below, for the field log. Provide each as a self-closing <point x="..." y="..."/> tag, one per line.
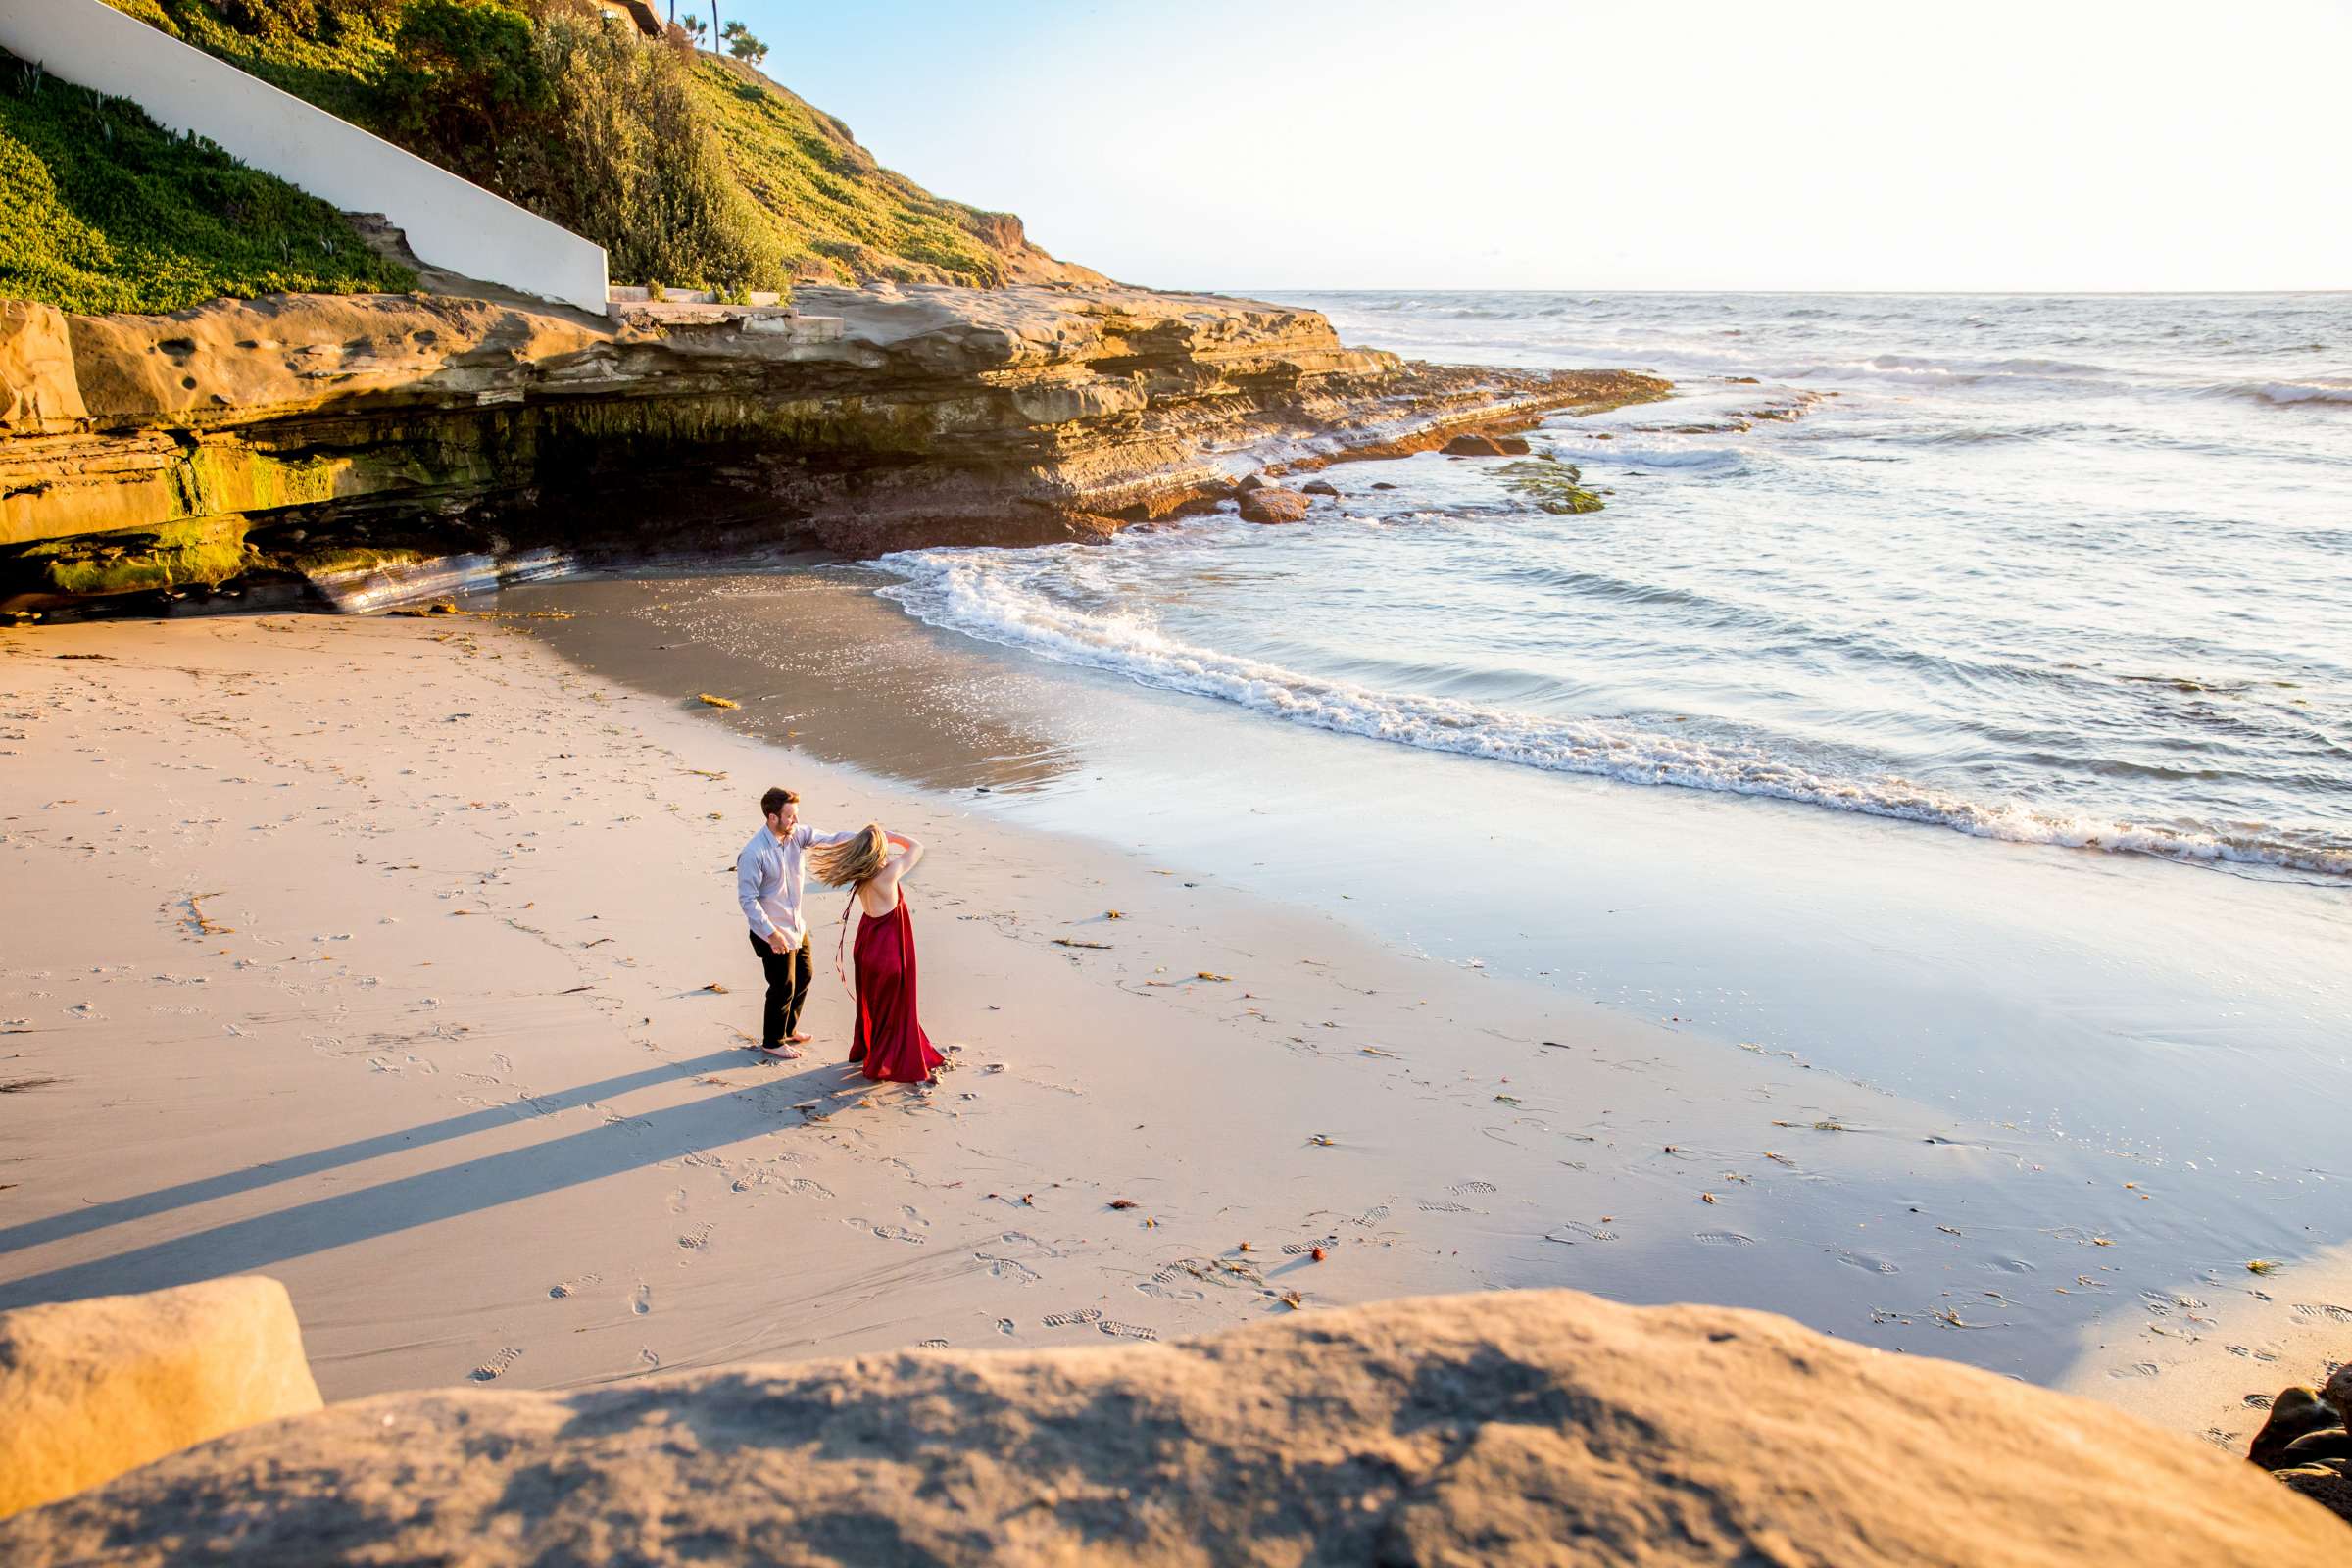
<point x="803" y="1187"/>
<point x="1005" y="1269"/>
<point x="645" y="1353"/>
<point x="1862" y="1261"/>
<point x="2252" y="1353"/>
<point x="1025" y="1245"/>
<point x="695" y="1240"/>
<point x="1471" y="1186"/>
<point x="2138" y="1369"/>
<point x="2323" y="1310"/>
<point x="1005" y="1325"/>
<point x="930" y="1344"/>
<point x="571" y="1288"/>
<point x="489" y="1370"/>
<point x="1299" y="1248"/>
<point x="1447" y="1208"/>
<point x="1578" y="1229"/>
<point x="641" y="1300"/>
<point x="1163" y="1291"/>
<point x="1127" y="1331"/>
<point x="1372" y="1216"/>
<point x="677" y="1202"/>
<point x="1722" y="1239"/>
<point x="1084" y="1314"/>
<point x="891" y="1231"/>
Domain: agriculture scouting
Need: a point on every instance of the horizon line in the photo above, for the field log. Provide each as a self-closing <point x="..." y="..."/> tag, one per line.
<point x="1863" y="293"/>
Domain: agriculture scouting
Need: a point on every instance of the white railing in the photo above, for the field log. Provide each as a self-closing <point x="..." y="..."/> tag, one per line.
<point x="450" y="222"/>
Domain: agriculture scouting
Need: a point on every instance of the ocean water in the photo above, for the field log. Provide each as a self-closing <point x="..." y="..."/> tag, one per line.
<point x="2065" y="571"/>
<point x="1961" y="708"/>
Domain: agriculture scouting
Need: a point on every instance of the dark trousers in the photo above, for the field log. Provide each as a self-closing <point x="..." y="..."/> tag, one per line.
<point x="787" y="988"/>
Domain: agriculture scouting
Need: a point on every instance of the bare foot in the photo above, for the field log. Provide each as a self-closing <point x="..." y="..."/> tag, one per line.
<point x="786" y="1052"/>
<point x="801" y="1039"/>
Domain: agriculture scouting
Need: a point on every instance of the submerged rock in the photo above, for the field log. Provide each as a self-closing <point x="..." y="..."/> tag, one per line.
<point x="1318" y="487"/>
<point x="1511" y="1426"/>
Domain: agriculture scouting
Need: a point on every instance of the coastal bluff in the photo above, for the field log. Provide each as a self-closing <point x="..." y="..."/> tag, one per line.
<point x="1535" y="1426"/>
<point x="350" y="450"/>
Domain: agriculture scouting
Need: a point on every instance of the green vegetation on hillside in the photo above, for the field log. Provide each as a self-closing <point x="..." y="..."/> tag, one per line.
<point x="690" y="169"/>
<point x="103" y="210"/>
<point x="827" y="205"/>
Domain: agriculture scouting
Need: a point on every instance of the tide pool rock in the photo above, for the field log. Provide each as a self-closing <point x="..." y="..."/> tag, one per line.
<point x="1473" y="445"/>
<point x="1506" y="1426"/>
<point x="89" y="1390"/>
<point x="1273" y="504"/>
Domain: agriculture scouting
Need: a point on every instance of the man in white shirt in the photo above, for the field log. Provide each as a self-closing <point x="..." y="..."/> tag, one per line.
<point x="768" y="884"/>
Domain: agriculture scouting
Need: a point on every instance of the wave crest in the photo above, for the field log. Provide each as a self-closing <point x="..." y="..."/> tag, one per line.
<point x="977" y="593"/>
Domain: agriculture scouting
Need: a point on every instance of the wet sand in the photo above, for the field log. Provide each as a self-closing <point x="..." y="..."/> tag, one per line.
<point x="398" y="958"/>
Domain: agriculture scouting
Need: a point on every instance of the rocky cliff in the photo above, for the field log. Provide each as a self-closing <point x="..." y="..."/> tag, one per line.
<point x="334" y="447"/>
<point x="1515" y="1426"/>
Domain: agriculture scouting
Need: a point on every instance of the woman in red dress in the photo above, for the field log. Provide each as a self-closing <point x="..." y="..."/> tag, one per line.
<point x="889" y="1039"/>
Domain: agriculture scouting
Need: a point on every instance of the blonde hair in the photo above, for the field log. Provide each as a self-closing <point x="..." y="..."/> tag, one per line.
<point x="853" y="861"/>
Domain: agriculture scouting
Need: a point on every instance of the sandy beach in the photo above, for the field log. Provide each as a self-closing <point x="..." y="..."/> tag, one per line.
<point x="397" y="959"/>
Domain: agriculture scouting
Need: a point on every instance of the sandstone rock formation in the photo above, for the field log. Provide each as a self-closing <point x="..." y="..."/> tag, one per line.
<point x="91" y="1389"/>
<point x="1508" y="1426"/>
<point x="310" y="440"/>
<point x="37" y="389"/>
<point x="1273" y="504"/>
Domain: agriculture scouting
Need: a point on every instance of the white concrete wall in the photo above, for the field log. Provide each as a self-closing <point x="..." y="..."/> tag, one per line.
<point x="451" y="223"/>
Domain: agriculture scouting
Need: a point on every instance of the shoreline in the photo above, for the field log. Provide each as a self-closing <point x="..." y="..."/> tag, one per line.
<point x="402" y="997"/>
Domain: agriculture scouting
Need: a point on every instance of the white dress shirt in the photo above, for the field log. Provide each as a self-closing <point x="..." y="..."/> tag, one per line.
<point x="768" y="877"/>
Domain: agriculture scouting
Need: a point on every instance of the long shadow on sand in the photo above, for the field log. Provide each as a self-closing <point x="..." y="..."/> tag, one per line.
<point x="409" y="1201"/>
<point x="97" y="1218"/>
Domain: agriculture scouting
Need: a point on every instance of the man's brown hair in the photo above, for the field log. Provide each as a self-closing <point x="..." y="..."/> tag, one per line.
<point x="776" y="800"/>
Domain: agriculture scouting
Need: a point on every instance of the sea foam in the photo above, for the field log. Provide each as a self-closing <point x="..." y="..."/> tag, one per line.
<point x="989" y="595"/>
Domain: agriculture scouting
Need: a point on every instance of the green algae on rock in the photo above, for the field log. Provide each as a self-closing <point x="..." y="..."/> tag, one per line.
<point x="1553" y="485"/>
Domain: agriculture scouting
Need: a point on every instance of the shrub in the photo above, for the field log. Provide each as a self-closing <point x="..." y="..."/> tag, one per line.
<point x="307" y="18"/>
<point x="466" y="80"/>
<point x="630" y="162"/>
<point x="583" y="123"/>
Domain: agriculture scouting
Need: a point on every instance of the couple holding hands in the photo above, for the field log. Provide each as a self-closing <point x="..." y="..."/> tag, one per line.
<point x="769" y="873"/>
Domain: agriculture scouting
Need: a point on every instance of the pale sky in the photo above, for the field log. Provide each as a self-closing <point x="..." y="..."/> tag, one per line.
<point x="1298" y="144"/>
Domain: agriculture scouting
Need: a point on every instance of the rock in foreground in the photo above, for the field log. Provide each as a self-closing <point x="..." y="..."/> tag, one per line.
<point x="1518" y="1426"/>
<point x="91" y="1389"/>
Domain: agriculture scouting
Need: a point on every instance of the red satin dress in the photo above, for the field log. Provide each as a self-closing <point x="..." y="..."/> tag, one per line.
<point x="890" y="1035"/>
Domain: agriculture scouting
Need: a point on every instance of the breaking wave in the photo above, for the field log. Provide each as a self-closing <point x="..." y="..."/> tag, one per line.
<point x="986" y="595"/>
